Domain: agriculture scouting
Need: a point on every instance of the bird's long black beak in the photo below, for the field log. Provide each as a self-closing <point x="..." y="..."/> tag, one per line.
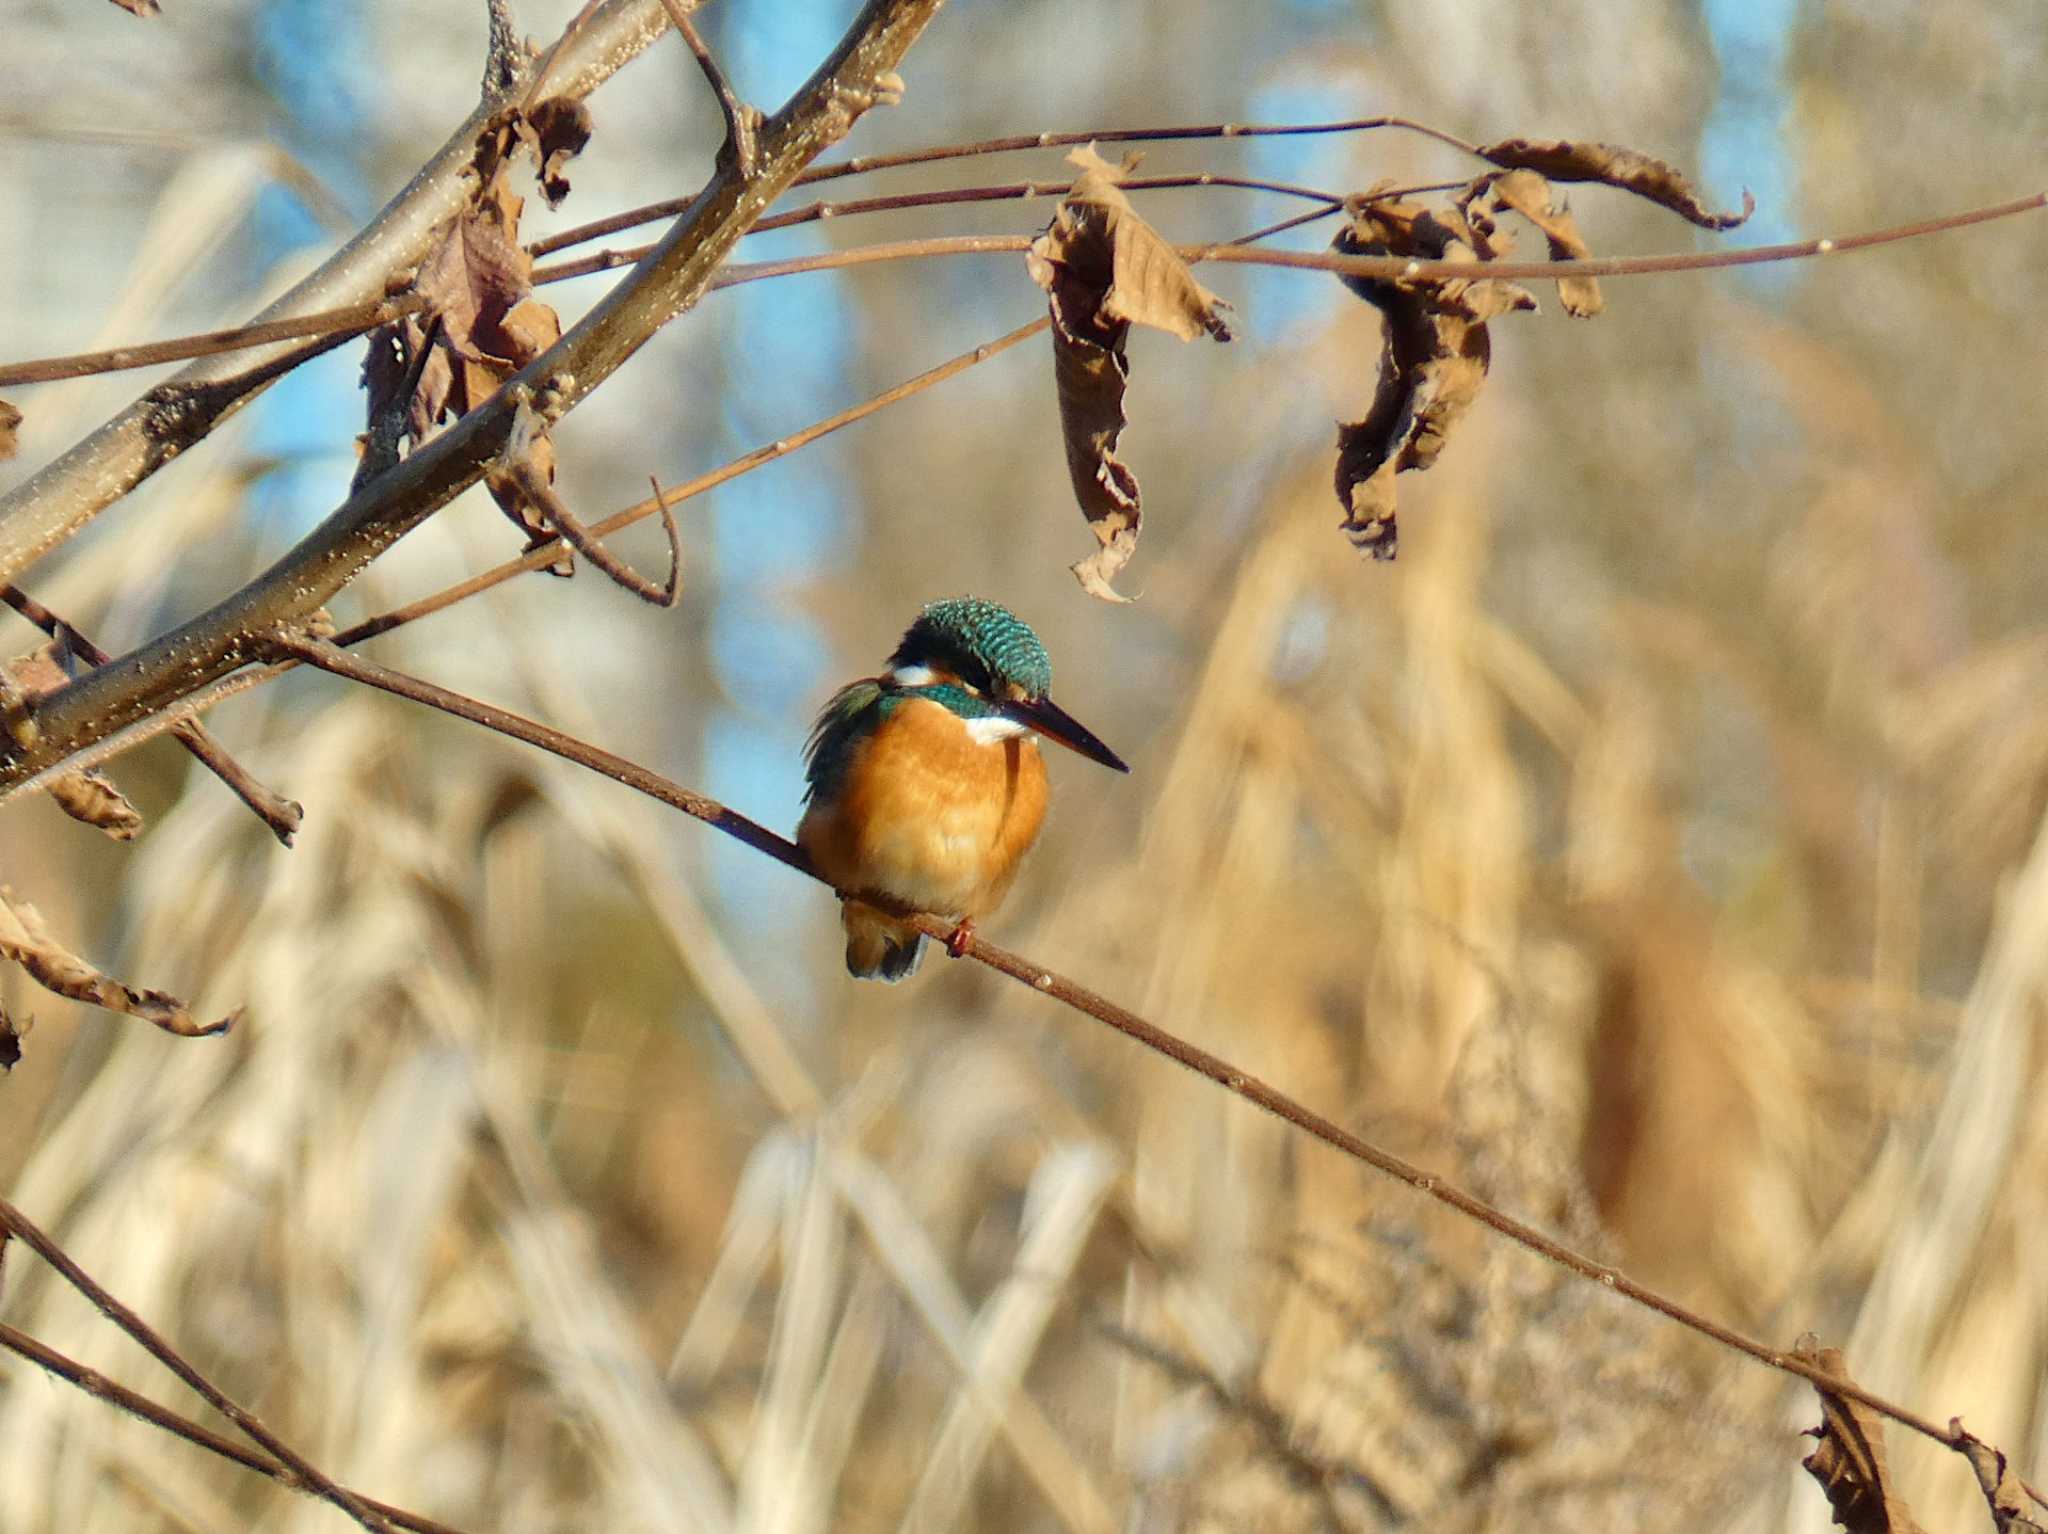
<point x="1055" y="723"/>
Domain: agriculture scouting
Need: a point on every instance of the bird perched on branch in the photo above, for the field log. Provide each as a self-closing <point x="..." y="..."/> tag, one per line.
<point x="926" y="786"/>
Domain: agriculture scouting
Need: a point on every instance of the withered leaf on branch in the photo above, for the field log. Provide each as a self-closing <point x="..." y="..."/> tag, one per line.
<point x="478" y="285"/>
<point x="10" y="428"/>
<point x="1612" y="165"/>
<point x="89" y="796"/>
<point x="1530" y="195"/>
<point x="10" y="1040"/>
<point x="556" y="131"/>
<point x="25" y="940"/>
<point x="83" y="795"/>
<point x="1849" y="1461"/>
<point x="1104" y="269"/>
<point x="1433" y="360"/>
<point x="2011" y="1513"/>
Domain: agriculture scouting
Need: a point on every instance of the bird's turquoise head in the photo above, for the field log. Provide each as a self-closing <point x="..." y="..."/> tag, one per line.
<point x="982" y="645"/>
<point x="982" y="661"/>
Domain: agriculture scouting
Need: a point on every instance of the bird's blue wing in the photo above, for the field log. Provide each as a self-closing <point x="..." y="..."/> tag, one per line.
<point x="852" y="714"/>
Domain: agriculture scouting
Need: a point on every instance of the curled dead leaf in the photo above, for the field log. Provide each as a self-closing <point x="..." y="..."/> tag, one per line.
<point x="10" y="1039"/>
<point x="84" y="795"/>
<point x="1849" y="1461"/>
<point x="1104" y="269"/>
<point x="556" y="131"/>
<point x="1530" y="195"/>
<point x="2010" y="1510"/>
<point x="1434" y="356"/>
<point x="1612" y="165"/>
<point x="10" y="429"/>
<point x="26" y="941"/>
<point x="91" y="797"/>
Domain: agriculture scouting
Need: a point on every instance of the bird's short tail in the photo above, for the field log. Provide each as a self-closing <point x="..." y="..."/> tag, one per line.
<point x="880" y="947"/>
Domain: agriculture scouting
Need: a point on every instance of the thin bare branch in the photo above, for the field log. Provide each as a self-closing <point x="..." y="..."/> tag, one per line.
<point x="742" y="122"/>
<point x="115" y="1394"/>
<point x="938" y="197"/>
<point x="860" y="165"/>
<point x="282" y="815"/>
<point x="672" y="278"/>
<point x="963" y="941"/>
<point x="518" y="470"/>
<point x="67" y="493"/>
<point x="14" y="1222"/>
<point x="350" y="320"/>
<point x="1380" y="267"/>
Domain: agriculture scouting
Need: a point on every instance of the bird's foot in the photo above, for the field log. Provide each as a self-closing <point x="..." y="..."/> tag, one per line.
<point x="961" y="940"/>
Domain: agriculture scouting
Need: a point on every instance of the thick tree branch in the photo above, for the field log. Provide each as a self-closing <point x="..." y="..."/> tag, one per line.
<point x="115" y="458"/>
<point x="672" y="277"/>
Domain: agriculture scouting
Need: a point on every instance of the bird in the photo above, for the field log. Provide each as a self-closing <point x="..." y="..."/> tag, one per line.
<point x="924" y="785"/>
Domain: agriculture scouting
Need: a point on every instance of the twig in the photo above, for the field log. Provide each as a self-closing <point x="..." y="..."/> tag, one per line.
<point x="350" y="320"/>
<point x="1380" y="267"/>
<point x="741" y="120"/>
<point x="531" y="485"/>
<point x="968" y="944"/>
<point x="860" y="165"/>
<point x="282" y="815"/>
<point x="938" y="197"/>
<point x="115" y="1394"/>
<point x="14" y="1222"/>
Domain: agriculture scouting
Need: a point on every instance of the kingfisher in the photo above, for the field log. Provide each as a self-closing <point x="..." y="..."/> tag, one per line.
<point x="925" y="785"/>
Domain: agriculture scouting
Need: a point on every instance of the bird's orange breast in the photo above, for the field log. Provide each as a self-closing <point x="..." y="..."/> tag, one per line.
<point x="929" y="815"/>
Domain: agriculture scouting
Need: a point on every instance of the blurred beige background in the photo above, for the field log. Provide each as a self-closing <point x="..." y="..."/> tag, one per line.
<point x="1653" y="849"/>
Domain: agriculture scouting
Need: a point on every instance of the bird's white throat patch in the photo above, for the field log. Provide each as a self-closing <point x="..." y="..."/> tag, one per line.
<point x="994" y="728"/>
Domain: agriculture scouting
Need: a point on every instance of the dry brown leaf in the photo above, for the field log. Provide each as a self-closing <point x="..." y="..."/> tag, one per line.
<point x="1104" y="269"/>
<point x="1849" y="1461"/>
<point x="91" y="797"/>
<point x="1530" y="195"/>
<point x="143" y="8"/>
<point x="1612" y="165"/>
<point x="2011" y="1513"/>
<point x="83" y="795"/>
<point x="10" y="428"/>
<point x="556" y="131"/>
<point x="478" y="285"/>
<point x="25" y="940"/>
<point x="1434" y="360"/>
